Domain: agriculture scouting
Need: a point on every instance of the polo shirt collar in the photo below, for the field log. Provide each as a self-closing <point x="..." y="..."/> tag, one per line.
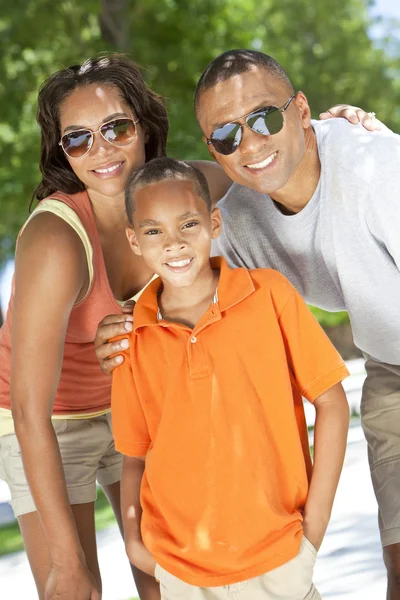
<point x="234" y="286"/>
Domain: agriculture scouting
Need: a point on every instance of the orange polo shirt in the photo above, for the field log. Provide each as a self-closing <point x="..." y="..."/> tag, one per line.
<point x="217" y="412"/>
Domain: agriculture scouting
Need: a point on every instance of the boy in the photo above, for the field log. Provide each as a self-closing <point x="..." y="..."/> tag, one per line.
<point x="218" y="498"/>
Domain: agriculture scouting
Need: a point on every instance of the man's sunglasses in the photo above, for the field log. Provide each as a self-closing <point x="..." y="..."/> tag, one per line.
<point x="119" y="132"/>
<point x="265" y="121"/>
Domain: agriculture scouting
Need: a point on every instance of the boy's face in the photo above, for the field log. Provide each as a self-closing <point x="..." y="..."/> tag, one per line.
<point x="173" y="230"/>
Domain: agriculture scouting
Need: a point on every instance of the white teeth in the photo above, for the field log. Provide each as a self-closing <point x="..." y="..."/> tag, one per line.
<point x="264" y="163"/>
<point x="110" y="169"/>
<point x="179" y="263"/>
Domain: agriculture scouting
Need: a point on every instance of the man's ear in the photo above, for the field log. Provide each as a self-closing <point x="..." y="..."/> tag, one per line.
<point x="131" y="235"/>
<point x="304" y="109"/>
<point x="216" y="223"/>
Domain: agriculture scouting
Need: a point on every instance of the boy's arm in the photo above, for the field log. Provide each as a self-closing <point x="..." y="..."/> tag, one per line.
<point x="132" y="473"/>
<point x="132" y="439"/>
<point x="317" y="370"/>
<point x="330" y="436"/>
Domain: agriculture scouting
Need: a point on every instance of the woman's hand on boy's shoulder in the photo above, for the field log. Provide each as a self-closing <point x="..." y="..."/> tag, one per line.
<point x="111" y="327"/>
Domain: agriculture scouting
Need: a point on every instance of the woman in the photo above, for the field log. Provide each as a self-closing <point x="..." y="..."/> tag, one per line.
<point x="98" y="122"/>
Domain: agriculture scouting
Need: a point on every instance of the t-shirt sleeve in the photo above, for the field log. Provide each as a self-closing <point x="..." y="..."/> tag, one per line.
<point x="314" y="362"/>
<point x="130" y="431"/>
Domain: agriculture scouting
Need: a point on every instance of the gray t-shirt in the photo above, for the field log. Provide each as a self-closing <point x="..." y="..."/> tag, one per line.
<point x="342" y="251"/>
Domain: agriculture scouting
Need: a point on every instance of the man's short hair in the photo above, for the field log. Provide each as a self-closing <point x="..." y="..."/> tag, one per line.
<point x="164" y="169"/>
<point x="235" y="62"/>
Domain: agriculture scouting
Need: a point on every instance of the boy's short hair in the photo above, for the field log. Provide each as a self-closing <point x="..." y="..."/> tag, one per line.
<point x="164" y="169"/>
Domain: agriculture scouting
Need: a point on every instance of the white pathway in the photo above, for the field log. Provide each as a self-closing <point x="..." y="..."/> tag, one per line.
<point x="349" y="566"/>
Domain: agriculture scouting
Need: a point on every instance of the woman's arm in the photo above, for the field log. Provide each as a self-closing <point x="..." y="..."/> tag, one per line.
<point x="50" y="276"/>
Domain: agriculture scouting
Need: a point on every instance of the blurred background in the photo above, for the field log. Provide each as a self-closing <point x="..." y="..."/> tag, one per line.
<point x="341" y="51"/>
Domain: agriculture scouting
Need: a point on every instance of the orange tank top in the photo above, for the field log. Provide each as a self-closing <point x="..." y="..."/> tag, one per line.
<point x="82" y="386"/>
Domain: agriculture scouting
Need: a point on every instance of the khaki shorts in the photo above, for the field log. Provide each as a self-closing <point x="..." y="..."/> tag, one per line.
<point x="291" y="581"/>
<point x="380" y="418"/>
<point x="87" y="452"/>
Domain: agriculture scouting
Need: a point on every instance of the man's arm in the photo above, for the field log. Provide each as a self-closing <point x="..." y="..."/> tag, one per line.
<point x="330" y="437"/>
<point x="132" y="473"/>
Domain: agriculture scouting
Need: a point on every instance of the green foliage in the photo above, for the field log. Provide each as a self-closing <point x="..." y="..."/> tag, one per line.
<point x="329" y="319"/>
<point x="37" y="37"/>
<point x="10" y="539"/>
<point x="327" y="53"/>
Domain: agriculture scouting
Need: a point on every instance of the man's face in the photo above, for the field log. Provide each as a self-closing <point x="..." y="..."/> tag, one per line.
<point x="263" y="163"/>
<point x="173" y="229"/>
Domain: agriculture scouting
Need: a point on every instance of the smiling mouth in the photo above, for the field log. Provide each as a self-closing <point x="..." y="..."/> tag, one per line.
<point x="109" y="169"/>
<point x="264" y="163"/>
<point x="179" y="263"/>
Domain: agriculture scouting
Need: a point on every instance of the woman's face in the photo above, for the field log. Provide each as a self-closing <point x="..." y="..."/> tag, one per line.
<point x="106" y="167"/>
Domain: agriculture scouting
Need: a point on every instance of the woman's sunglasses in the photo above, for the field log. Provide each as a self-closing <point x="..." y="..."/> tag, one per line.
<point x="119" y="132"/>
<point x="265" y="121"/>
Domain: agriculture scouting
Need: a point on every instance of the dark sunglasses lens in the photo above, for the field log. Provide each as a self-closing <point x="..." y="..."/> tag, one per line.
<point x="76" y="143"/>
<point x="120" y="131"/>
<point x="227" y="138"/>
<point x="266" y="122"/>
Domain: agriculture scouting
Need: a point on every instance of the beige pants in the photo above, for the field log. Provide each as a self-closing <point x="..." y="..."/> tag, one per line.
<point x="291" y="581"/>
<point x="380" y="418"/>
<point x="87" y="453"/>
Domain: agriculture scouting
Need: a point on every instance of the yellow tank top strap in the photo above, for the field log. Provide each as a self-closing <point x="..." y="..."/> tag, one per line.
<point x="66" y="213"/>
<point x="136" y="297"/>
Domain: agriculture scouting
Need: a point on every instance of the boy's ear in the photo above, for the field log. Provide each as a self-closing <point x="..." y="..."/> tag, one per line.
<point x="131" y="235"/>
<point x="216" y="223"/>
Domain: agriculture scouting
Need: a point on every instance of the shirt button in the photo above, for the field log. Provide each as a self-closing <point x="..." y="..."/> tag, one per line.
<point x="193" y="339"/>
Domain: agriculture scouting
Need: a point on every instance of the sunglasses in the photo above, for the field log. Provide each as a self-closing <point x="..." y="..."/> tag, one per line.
<point x="265" y="121"/>
<point x="119" y="132"/>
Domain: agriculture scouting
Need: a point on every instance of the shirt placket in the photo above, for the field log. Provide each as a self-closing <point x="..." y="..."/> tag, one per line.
<point x="196" y="355"/>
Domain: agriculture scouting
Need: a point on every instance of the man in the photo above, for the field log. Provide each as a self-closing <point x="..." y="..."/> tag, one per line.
<point x="317" y="201"/>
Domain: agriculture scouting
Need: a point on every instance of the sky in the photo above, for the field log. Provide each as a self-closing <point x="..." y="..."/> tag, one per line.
<point x="386" y="8"/>
<point x="389" y="9"/>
